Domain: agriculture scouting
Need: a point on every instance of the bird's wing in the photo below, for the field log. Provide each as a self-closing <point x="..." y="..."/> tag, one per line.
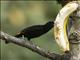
<point x="33" y="28"/>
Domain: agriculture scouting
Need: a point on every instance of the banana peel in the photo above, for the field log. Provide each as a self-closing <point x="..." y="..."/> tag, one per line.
<point x="60" y="24"/>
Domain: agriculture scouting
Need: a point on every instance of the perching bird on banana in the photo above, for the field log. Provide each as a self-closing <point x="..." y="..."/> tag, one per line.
<point x="60" y="25"/>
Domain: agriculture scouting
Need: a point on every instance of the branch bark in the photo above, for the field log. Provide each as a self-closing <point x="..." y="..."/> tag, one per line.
<point x="52" y="56"/>
<point x="29" y="45"/>
<point x="75" y="46"/>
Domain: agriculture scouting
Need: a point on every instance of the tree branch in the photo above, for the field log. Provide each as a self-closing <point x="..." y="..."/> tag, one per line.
<point x="66" y="56"/>
<point x="29" y="45"/>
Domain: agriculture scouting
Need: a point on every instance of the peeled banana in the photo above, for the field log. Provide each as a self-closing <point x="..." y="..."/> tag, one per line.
<point x="60" y="24"/>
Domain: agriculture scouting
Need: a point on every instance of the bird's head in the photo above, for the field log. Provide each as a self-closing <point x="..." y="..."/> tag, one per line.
<point x="49" y="25"/>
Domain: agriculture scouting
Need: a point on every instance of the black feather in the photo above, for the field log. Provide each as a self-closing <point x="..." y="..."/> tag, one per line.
<point x="35" y="31"/>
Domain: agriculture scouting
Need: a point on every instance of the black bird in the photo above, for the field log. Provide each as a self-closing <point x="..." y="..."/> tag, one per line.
<point x="35" y="31"/>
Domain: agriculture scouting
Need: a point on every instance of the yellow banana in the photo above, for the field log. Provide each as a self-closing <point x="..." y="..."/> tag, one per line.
<point x="60" y="25"/>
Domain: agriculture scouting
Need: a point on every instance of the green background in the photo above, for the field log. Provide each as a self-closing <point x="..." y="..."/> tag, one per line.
<point x="15" y="15"/>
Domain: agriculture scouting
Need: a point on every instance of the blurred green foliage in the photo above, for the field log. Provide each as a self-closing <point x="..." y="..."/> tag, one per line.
<point x="15" y="15"/>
